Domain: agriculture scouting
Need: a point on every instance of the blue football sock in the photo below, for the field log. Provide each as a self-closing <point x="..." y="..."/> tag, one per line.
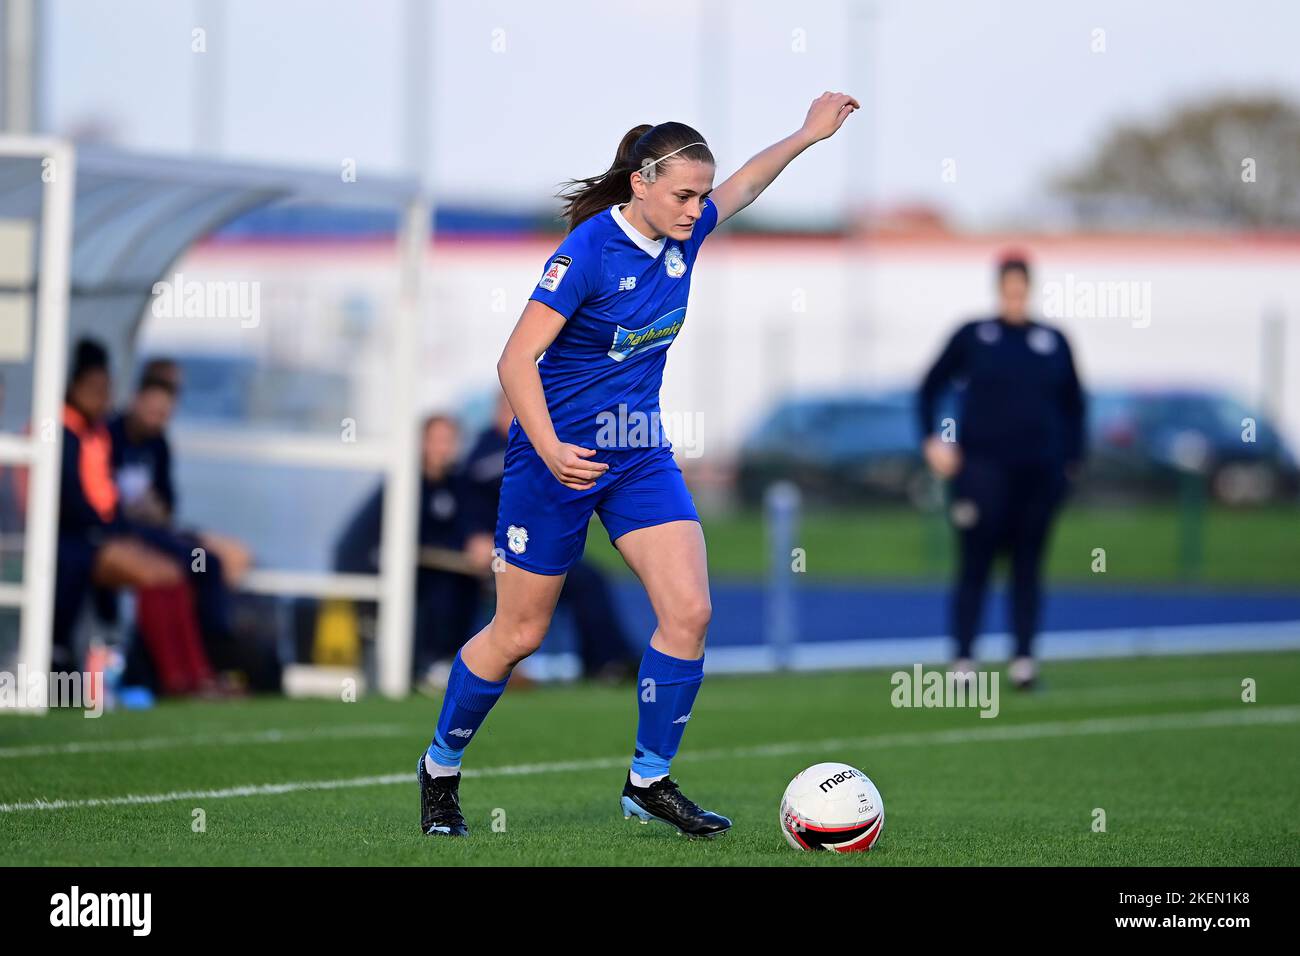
<point x="666" y="689"/>
<point x="464" y="708"/>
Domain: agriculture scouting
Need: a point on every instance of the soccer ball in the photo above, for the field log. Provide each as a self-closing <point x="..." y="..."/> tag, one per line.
<point x="832" y="806"/>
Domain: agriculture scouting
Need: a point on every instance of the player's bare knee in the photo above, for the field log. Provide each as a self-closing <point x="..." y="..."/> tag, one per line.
<point x="687" y="623"/>
<point x="519" y="639"/>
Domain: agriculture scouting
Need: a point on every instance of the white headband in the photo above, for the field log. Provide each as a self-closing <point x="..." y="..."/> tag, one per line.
<point x="648" y="167"/>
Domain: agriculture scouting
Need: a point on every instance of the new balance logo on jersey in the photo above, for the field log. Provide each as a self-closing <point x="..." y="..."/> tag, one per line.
<point x="682" y="719"/>
<point x="464" y="732"/>
<point x="626" y="283"/>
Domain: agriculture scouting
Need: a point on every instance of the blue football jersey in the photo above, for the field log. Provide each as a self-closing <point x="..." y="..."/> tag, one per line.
<point x="624" y="300"/>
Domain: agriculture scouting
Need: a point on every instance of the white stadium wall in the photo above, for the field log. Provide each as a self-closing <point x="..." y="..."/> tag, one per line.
<point x="769" y="316"/>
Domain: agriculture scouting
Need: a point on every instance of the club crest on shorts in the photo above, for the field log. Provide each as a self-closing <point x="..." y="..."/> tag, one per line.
<point x="675" y="262"/>
<point x="517" y="538"/>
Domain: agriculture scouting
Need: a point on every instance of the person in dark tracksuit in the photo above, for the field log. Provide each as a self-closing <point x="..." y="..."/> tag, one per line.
<point x="446" y="599"/>
<point x="603" y="647"/>
<point x="1010" y="452"/>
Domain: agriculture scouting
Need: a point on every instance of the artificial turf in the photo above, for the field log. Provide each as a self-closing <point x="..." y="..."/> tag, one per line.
<point x="1186" y="772"/>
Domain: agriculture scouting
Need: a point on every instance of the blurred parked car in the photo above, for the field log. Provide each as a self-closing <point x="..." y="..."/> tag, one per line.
<point x="837" y="450"/>
<point x="847" y="449"/>
<point x="1148" y="441"/>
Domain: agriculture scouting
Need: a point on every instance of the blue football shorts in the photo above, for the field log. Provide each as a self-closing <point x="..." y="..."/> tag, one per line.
<point x="542" y="524"/>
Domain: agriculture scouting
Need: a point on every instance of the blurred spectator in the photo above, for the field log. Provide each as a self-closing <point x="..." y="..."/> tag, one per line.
<point x="1016" y="437"/>
<point x="97" y="546"/>
<point x="603" y="646"/>
<point x="142" y="465"/>
<point x="449" y="578"/>
<point x="147" y="501"/>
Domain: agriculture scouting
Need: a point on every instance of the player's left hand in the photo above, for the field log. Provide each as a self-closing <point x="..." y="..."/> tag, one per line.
<point x="827" y="114"/>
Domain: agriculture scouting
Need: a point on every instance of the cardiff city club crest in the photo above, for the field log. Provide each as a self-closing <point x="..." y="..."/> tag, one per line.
<point x="675" y="262"/>
<point x="517" y="538"/>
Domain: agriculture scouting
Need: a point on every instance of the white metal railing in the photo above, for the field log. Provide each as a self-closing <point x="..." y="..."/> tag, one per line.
<point x="281" y="449"/>
<point x="357" y="587"/>
<point x="40" y="450"/>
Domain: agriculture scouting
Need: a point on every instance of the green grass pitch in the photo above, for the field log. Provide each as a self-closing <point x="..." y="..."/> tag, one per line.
<point x="1185" y="771"/>
<point x="1246" y="548"/>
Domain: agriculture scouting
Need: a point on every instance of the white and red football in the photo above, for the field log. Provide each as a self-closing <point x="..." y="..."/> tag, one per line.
<point x="832" y="806"/>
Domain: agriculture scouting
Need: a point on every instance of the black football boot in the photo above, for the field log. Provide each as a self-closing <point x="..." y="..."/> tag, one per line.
<point x="665" y="802"/>
<point x="440" y="804"/>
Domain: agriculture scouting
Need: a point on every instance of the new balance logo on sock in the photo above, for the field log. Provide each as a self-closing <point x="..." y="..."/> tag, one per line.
<point x="463" y="732"/>
<point x="682" y="719"/>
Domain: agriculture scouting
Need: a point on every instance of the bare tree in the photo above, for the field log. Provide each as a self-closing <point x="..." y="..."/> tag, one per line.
<point x="1230" y="161"/>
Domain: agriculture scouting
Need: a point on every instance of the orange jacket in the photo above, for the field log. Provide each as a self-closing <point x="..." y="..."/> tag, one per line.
<point x="95" y="463"/>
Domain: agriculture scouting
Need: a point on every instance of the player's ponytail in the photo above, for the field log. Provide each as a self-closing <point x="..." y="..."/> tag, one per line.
<point x="643" y="144"/>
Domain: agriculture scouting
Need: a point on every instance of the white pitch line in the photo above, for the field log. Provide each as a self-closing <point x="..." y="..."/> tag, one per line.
<point x="1167" y="690"/>
<point x="204" y="740"/>
<point x="1246" y="716"/>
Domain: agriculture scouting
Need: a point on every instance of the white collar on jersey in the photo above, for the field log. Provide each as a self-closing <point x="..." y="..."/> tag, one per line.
<point x="651" y="247"/>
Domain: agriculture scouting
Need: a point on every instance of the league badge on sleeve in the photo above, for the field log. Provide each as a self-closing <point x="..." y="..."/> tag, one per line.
<point x="555" y="273"/>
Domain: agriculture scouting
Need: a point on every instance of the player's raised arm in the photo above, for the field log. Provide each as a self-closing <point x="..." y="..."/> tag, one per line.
<point x="825" y="116"/>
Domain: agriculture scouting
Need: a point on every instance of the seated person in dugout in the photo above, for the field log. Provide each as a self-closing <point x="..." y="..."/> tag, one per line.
<point x="101" y="547"/>
<point x="142" y="465"/>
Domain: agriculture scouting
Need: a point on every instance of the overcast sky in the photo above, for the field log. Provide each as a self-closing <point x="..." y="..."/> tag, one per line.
<point x="522" y="94"/>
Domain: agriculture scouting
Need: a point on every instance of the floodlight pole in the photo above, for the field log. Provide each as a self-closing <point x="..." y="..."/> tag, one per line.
<point x="20" y="30"/>
<point x="400" y="525"/>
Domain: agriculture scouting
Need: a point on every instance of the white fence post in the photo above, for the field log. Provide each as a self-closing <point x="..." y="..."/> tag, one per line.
<point x="400" y="521"/>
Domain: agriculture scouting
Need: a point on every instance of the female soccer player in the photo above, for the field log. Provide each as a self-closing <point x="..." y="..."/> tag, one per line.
<point x="587" y="437"/>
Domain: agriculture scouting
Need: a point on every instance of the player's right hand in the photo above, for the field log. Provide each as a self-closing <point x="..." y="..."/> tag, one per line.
<point x="943" y="457"/>
<point x="569" y="465"/>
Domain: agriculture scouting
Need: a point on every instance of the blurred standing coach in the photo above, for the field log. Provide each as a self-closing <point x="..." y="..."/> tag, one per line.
<point x="1015" y="442"/>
